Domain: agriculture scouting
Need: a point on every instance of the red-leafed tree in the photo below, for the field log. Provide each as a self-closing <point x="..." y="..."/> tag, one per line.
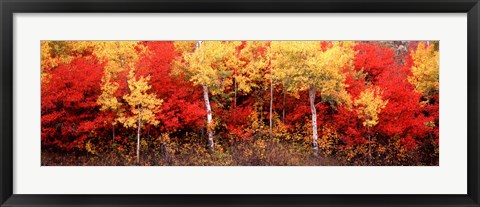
<point x="346" y="120"/>
<point x="182" y="107"/>
<point x="403" y="114"/>
<point x="69" y="107"/>
<point x="264" y="102"/>
<point x="404" y="117"/>
<point x="373" y="59"/>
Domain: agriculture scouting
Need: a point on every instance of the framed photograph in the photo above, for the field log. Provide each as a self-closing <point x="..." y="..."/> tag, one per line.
<point x="239" y="103"/>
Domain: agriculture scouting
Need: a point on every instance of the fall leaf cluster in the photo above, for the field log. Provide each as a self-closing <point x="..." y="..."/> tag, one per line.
<point x="240" y="102"/>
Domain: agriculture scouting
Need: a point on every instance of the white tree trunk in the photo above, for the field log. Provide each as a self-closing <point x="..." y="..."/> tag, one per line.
<point x="369" y="146"/>
<point x="235" y="98"/>
<point x="271" y="108"/>
<point x="138" y="136"/>
<point x="209" y="109"/>
<point x="312" y="92"/>
<point x="113" y="132"/>
<point x="209" y="117"/>
<point x="283" y="113"/>
<point x="261" y="109"/>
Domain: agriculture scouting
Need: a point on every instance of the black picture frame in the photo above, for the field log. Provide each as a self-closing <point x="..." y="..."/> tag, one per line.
<point x="9" y="7"/>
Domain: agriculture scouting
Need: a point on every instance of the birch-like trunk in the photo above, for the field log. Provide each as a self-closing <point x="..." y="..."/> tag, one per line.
<point x="261" y="109"/>
<point x="369" y="146"/>
<point x="235" y="92"/>
<point x="138" y="136"/>
<point x="283" y="112"/>
<point x="209" y="117"/>
<point x="209" y="109"/>
<point x="235" y="99"/>
<point x="113" y="132"/>
<point x="271" y="108"/>
<point x="148" y="132"/>
<point x="312" y="92"/>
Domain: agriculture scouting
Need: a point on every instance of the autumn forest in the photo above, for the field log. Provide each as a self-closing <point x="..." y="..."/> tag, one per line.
<point x="239" y="103"/>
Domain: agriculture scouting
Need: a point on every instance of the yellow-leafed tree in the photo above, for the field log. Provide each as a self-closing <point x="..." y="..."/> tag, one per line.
<point x="302" y="65"/>
<point x="54" y="53"/>
<point x="208" y="64"/>
<point x="369" y="105"/>
<point x="425" y="69"/>
<point x="251" y="73"/>
<point x="119" y="56"/>
<point x="143" y="105"/>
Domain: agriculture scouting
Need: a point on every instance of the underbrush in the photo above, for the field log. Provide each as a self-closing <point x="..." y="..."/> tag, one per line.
<point x="258" y="152"/>
<point x="262" y="151"/>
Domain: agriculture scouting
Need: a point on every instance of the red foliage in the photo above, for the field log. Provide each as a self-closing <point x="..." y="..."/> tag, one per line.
<point x="348" y="126"/>
<point x="300" y="113"/>
<point x="183" y="106"/>
<point x="373" y="58"/>
<point x="69" y="107"/>
<point x="70" y="114"/>
<point x="237" y="121"/>
<point x="403" y="116"/>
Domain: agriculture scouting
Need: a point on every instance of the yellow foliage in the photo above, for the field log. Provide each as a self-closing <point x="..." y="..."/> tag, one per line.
<point x="257" y="126"/>
<point x="119" y="56"/>
<point x="142" y="103"/>
<point x="164" y="138"/>
<point x="354" y="151"/>
<point x="369" y="105"/>
<point x="430" y="124"/>
<point x="259" y="147"/>
<point x="46" y="58"/>
<point x="210" y="64"/>
<point x="299" y="65"/>
<point x="184" y="46"/>
<point x="328" y="141"/>
<point x="425" y="69"/>
<point x="247" y="152"/>
<point x="54" y="53"/>
<point x="107" y="99"/>
<point x="280" y="131"/>
<point x="250" y="72"/>
<point x="90" y="148"/>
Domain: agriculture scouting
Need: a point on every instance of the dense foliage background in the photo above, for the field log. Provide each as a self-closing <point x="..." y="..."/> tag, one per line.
<point x="240" y="103"/>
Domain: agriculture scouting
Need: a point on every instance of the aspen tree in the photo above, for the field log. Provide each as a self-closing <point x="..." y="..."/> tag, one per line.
<point x="304" y="65"/>
<point x="369" y="105"/>
<point x="143" y="106"/>
<point x="119" y="56"/>
<point x="209" y="64"/>
<point x="253" y="73"/>
<point x="425" y="69"/>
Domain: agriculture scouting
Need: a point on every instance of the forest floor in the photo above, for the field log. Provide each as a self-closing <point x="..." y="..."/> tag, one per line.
<point x="256" y="154"/>
<point x="259" y="152"/>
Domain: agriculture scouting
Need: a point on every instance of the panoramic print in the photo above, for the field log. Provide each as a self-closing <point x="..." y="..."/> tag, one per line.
<point x="239" y="103"/>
